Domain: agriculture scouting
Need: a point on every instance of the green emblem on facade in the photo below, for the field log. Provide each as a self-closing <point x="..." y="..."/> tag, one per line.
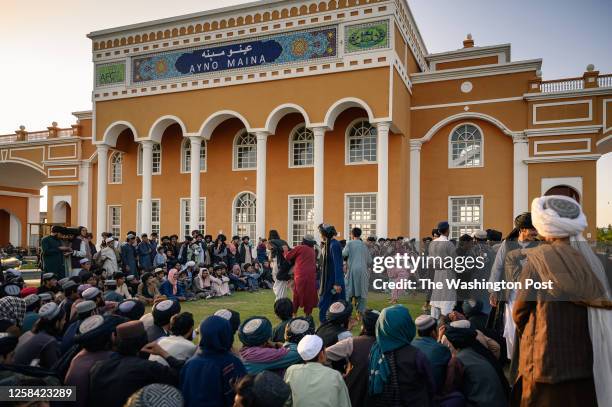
<point x="110" y="74"/>
<point x="366" y="36"/>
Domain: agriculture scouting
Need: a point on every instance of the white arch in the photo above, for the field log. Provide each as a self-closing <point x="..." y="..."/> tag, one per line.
<point x="161" y="124"/>
<point x="233" y="209"/>
<point x="60" y="212"/>
<point x="280" y="111"/>
<point x="341" y="105"/>
<point x="461" y="116"/>
<point x="112" y="132"/>
<point x="219" y="117"/>
<point x="14" y="227"/>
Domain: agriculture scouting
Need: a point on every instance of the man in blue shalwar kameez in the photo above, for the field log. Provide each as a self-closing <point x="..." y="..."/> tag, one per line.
<point x="331" y="287"/>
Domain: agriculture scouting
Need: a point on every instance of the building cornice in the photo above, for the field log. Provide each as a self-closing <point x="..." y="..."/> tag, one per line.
<point x="471" y="72"/>
<point x="562" y="131"/>
<point x="471" y="52"/>
<point x="562" y="158"/>
<point x="568" y="94"/>
<point x="61" y="183"/>
<point x="83" y="114"/>
<point x="30" y="143"/>
<point x="19" y="194"/>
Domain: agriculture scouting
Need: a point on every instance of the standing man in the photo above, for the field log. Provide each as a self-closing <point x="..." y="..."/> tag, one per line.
<point x="53" y="253"/>
<point x="304" y="275"/>
<point x="331" y="287"/>
<point x="144" y="251"/>
<point x="565" y="331"/>
<point x="128" y="255"/>
<point x="508" y="265"/>
<point x="442" y="300"/>
<point x="359" y="262"/>
<point x="245" y="254"/>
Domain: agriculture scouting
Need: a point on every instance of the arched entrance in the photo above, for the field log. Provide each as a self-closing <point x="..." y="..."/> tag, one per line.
<point x="62" y="212"/>
<point x="10" y="229"/>
<point x="564" y="190"/>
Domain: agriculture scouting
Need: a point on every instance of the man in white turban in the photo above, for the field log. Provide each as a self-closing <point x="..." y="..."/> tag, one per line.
<point x="559" y="363"/>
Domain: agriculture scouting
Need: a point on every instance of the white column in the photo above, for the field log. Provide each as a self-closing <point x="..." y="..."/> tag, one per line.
<point x="260" y="209"/>
<point x="196" y="146"/>
<point x="319" y="175"/>
<point x="147" y="179"/>
<point x="382" y="197"/>
<point x="33" y="217"/>
<point x="415" y="189"/>
<point x="521" y="175"/>
<point x="101" y="209"/>
<point x="84" y="191"/>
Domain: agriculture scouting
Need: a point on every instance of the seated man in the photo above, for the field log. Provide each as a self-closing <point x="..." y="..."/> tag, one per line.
<point x="313" y="383"/>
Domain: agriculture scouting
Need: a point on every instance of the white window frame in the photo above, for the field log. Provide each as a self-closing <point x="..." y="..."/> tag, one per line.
<point x="291" y="223"/>
<point x="347" y="159"/>
<point x="109" y="221"/>
<point x="453" y="224"/>
<point x="235" y="152"/>
<point x="185" y="223"/>
<point x="139" y="221"/>
<point x="139" y="159"/>
<point x="450" y="146"/>
<point x="292" y="133"/>
<point x="112" y="166"/>
<point x="203" y="150"/>
<point x="233" y="214"/>
<point x="347" y="227"/>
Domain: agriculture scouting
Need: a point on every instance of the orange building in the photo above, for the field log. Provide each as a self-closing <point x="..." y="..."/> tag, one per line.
<point x="283" y="114"/>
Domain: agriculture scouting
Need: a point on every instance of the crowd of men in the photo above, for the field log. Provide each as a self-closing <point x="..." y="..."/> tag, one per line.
<point x="87" y="325"/>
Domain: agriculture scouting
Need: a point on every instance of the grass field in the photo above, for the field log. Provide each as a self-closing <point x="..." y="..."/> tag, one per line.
<point x="262" y="303"/>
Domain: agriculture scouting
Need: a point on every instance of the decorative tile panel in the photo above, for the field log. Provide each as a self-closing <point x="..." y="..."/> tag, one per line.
<point x="366" y="36"/>
<point x="289" y="47"/>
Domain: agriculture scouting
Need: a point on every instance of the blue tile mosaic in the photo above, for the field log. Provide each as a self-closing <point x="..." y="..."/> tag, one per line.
<point x="289" y="47"/>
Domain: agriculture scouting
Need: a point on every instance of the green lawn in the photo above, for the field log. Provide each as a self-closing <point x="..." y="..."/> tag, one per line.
<point x="262" y="303"/>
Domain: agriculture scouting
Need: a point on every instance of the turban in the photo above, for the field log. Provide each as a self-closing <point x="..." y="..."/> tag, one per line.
<point x="557" y="216"/>
<point x="131" y="309"/>
<point x="523" y="221"/>
<point x="328" y="231"/>
<point x="164" y="310"/>
<point x="270" y="390"/>
<point x="339" y="311"/>
<point x="156" y="394"/>
<point x="369" y="319"/>
<point x="255" y="331"/>
<point x="28" y="291"/>
<point x="12" y="309"/>
<point x="297" y="328"/>
<point x="460" y="337"/>
<point x="230" y="315"/>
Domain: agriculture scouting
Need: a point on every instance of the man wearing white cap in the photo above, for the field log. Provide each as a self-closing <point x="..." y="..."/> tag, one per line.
<point x="312" y="383"/>
<point x="558" y="363"/>
<point x="427" y="342"/>
<point x="108" y="257"/>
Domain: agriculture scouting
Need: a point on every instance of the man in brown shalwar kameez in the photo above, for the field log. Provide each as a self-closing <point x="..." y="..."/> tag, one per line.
<point x="556" y="352"/>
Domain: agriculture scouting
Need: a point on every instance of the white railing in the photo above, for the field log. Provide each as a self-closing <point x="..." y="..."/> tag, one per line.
<point x="560" y="85"/>
<point x="604" y="81"/>
<point x="8" y="138"/>
<point x="35" y="136"/>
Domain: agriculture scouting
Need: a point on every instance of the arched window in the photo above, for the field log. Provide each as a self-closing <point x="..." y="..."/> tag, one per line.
<point x="245" y="151"/>
<point x="361" y="143"/>
<point x="156" y="159"/>
<point x="301" y="147"/>
<point x="186" y="156"/>
<point x="465" y="147"/>
<point x="116" y="168"/>
<point x="244" y="215"/>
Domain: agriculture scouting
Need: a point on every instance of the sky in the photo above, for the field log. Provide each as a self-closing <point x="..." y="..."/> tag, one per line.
<point x="46" y="69"/>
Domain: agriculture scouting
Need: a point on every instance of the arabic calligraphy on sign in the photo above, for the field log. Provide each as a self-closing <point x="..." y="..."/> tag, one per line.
<point x="274" y="49"/>
<point x="367" y="36"/>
